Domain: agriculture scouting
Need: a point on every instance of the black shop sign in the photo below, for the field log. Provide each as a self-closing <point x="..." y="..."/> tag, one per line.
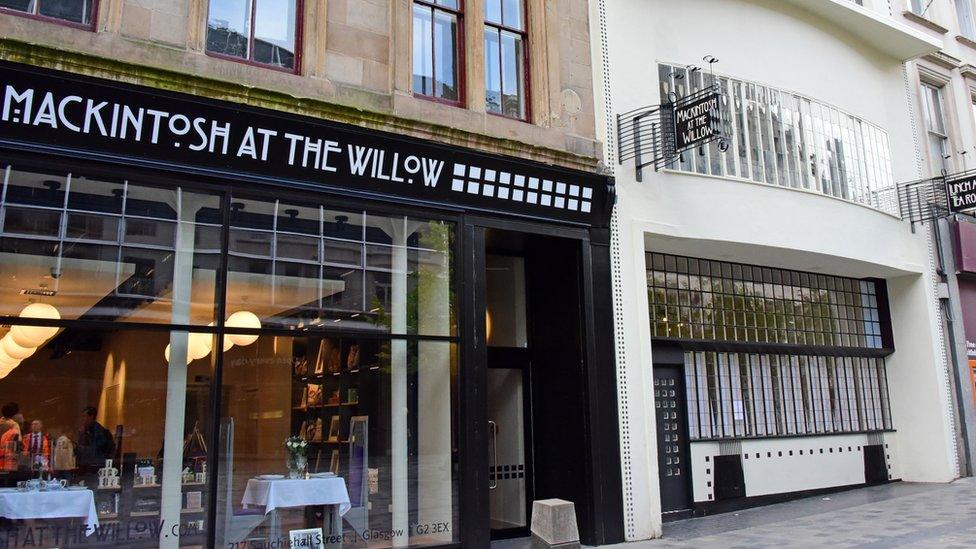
<point x="961" y="194"/>
<point x="696" y="121"/>
<point x="65" y="113"/>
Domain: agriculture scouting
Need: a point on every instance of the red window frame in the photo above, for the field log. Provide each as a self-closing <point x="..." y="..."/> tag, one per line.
<point x="299" y="36"/>
<point x="524" y="35"/>
<point x="89" y="27"/>
<point x="458" y="52"/>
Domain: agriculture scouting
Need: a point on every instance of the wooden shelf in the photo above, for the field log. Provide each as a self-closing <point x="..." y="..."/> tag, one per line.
<point x="109" y="489"/>
<point x="192" y="511"/>
<point x="108" y="516"/>
<point x="144" y="514"/>
<point x="146" y="486"/>
<point x="194" y="484"/>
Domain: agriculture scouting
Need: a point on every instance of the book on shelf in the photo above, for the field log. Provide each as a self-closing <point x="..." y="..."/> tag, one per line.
<point x="194" y="500"/>
<point x="352" y="359"/>
<point x="314" y="394"/>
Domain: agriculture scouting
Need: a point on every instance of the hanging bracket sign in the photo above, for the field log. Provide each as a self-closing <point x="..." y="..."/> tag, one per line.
<point x="961" y="194"/>
<point x="697" y="120"/>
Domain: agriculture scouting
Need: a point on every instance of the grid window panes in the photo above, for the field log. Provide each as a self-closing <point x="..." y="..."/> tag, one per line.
<point x="935" y="128"/>
<point x="698" y="299"/>
<point x="436" y="49"/>
<point x="261" y="31"/>
<point x="72" y="11"/>
<point x="314" y="265"/>
<point x="505" y="58"/>
<point x="782" y="138"/>
<point x="111" y="250"/>
<point x="743" y="395"/>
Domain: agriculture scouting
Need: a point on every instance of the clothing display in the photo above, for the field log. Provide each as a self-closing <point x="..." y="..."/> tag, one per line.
<point x="38" y="447"/>
<point x="10" y="449"/>
<point x="64" y="454"/>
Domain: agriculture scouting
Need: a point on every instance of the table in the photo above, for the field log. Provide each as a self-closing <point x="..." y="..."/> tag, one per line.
<point x="53" y="504"/>
<point x="278" y="494"/>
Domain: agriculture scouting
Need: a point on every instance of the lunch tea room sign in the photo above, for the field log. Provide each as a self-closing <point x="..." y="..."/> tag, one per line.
<point x="961" y="194"/>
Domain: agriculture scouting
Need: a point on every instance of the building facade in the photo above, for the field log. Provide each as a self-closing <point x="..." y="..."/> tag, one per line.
<point x="777" y="323"/>
<point x="375" y="229"/>
<point x="944" y="83"/>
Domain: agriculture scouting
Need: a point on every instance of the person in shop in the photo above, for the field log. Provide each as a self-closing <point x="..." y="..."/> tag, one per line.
<point x="37" y="444"/>
<point x="95" y="443"/>
<point x="10" y="436"/>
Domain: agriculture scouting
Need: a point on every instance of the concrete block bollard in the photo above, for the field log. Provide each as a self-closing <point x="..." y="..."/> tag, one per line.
<point x="554" y="524"/>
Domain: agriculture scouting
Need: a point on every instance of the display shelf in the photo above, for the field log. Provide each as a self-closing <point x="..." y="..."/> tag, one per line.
<point x="146" y="486"/>
<point x="109" y="489"/>
<point x="107" y="516"/>
<point x="144" y="514"/>
<point x="192" y="511"/>
<point x="194" y="484"/>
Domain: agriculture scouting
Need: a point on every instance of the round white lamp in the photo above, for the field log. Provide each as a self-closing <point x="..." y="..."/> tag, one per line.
<point x="243" y="319"/>
<point x="227" y="342"/>
<point x="33" y="336"/>
<point x="6" y="362"/>
<point x="198" y="345"/>
<point x="15" y="351"/>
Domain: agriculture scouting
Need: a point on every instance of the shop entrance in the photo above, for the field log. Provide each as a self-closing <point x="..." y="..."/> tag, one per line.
<point x="535" y="398"/>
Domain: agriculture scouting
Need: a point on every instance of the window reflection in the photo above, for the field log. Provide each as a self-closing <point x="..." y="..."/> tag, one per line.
<point x="263" y="31"/>
<point x="340" y="269"/>
<point x="107" y="250"/>
<point x="74" y="11"/>
<point x="436" y="49"/>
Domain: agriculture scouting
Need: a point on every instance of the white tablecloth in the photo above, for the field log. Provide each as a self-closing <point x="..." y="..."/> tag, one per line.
<point x="273" y="494"/>
<point x="49" y="505"/>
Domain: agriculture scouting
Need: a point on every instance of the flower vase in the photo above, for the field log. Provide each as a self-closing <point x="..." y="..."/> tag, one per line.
<point x="297" y="466"/>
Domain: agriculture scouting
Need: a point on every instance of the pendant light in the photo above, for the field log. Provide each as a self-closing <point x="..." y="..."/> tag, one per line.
<point x="243" y="319"/>
<point x="34" y="336"/>
<point x="15" y="351"/>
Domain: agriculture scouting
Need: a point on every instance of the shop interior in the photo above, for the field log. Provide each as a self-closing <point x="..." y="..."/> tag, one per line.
<point x="117" y="285"/>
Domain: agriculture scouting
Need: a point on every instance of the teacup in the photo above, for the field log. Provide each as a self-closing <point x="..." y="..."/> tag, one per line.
<point x="33" y="484"/>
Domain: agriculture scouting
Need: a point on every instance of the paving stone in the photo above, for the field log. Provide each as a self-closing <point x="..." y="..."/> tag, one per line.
<point x="892" y="515"/>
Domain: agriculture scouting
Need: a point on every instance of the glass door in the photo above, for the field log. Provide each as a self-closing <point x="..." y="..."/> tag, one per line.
<point x="506" y="433"/>
<point x="509" y="439"/>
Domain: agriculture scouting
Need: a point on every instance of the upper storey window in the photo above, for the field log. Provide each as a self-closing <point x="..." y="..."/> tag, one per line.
<point x="505" y="58"/>
<point x="782" y="138"/>
<point x="73" y="12"/>
<point x="264" y="32"/>
<point x="437" y="50"/>
<point x="935" y="126"/>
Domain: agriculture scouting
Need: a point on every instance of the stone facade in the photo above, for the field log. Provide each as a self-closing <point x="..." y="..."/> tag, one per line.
<point x="355" y="68"/>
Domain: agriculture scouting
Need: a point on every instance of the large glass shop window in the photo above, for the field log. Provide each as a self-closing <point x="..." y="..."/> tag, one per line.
<point x="104" y="434"/>
<point x="341" y="336"/>
<point x="374" y="410"/>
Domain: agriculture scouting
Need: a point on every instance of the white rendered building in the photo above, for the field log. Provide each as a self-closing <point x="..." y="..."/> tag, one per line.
<point x="777" y="322"/>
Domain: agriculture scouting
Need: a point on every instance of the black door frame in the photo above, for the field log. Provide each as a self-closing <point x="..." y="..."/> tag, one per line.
<point x="603" y="520"/>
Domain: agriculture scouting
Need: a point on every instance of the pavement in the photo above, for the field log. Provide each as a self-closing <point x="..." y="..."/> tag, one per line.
<point x="899" y="514"/>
